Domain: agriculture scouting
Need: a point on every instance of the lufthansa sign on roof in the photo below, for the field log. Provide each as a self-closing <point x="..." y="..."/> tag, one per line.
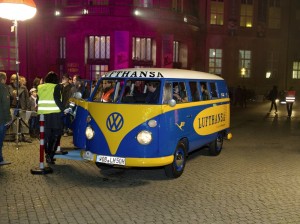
<point x="135" y="74"/>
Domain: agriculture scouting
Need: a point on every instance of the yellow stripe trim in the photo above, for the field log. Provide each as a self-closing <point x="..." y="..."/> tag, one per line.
<point x="149" y="162"/>
<point x="167" y="108"/>
<point x="142" y="162"/>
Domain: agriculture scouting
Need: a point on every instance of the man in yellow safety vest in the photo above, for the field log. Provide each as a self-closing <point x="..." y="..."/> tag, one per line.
<point x="50" y="105"/>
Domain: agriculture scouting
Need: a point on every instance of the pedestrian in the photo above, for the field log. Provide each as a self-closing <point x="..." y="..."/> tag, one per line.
<point x="238" y="96"/>
<point x="273" y="94"/>
<point x="244" y="97"/>
<point x="290" y="99"/>
<point x="66" y="94"/>
<point x="51" y="106"/>
<point x="5" y="116"/>
<point x="37" y="81"/>
<point x="12" y="87"/>
<point x="33" y="120"/>
<point x="23" y="94"/>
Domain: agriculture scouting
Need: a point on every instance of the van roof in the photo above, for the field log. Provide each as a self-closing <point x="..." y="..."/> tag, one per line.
<point x="160" y="73"/>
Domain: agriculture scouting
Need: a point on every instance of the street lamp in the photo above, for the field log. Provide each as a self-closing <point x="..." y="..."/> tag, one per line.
<point x="17" y="10"/>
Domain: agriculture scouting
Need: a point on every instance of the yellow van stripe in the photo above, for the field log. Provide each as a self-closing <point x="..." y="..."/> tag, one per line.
<point x="167" y="108"/>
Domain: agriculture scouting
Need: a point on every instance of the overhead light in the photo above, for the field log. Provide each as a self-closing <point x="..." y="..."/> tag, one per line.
<point x="57" y="13"/>
<point x="85" y="11"/>
<point x="137" y="12"/>
<point x="17" y="9"/>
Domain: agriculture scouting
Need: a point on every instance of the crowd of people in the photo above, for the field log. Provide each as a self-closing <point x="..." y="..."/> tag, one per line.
<point x="48" y="96"/>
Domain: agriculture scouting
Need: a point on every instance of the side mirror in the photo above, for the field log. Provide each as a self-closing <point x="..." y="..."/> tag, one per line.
<point x="77" y="95"/>
<point x="172" y="103"/>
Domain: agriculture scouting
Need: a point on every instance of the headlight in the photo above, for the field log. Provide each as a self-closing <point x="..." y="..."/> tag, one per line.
<point x="144" y="137"/>
<point x="89" y="133"/>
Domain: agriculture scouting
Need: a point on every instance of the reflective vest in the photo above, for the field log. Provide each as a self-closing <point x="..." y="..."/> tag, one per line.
<point x="106" y="96"/>
<point x="46" y="103"/>
<point x="290" y="96"/>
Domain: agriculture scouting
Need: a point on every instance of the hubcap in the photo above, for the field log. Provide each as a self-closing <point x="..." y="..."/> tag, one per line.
<point x="179" y="160"/>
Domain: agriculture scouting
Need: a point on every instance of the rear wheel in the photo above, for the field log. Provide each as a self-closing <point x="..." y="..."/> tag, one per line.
<point x="215" y="147"/>
<point x="175" y="169"/>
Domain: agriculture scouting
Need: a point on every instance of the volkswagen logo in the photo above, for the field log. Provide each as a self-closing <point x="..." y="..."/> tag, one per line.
<point x="114" y="122"/>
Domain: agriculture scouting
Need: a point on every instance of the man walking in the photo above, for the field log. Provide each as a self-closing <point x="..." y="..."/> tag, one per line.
<point x="273" y="97"/>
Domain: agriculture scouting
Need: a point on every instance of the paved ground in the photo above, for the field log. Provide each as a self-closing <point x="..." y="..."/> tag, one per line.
<point x="256" y="179"/>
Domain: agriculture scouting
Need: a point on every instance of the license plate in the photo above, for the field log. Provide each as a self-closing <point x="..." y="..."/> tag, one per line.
<point x="111" y="160"/>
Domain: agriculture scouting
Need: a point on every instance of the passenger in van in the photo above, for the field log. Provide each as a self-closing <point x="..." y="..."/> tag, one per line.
<point x="138" y="91"/>
<point x="127" y="96"/>
<point x="176" y="94"/>
<point x="179" y="93"/>
<point x="108" y="90"/>
<point x="204" y="92"/>
<point x="153" y="92"/>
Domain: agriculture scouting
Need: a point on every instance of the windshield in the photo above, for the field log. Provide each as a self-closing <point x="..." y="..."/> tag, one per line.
<point x="127" y="91"/>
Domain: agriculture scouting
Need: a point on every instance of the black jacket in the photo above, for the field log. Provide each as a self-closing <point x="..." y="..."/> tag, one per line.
<point x="5" y="115"/>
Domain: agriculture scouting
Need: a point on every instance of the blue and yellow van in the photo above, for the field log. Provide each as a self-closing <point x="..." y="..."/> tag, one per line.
<point x="151" y="117"/>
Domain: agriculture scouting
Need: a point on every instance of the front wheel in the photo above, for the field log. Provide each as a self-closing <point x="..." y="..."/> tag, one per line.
<point x="175" y="169"/>
<point x="215" y="147"/>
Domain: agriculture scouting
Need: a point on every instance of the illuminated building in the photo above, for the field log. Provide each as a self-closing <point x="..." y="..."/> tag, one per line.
<point x="225" y="37"/>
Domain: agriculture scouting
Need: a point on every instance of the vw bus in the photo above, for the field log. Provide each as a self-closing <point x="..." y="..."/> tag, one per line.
<point x="152" y="117"/>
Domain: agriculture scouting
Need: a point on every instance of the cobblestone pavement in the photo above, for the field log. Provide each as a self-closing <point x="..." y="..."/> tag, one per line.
<point x="256" y="179"/>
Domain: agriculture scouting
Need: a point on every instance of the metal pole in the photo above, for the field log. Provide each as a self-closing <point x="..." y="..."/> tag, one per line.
<point x="15" y="25"/>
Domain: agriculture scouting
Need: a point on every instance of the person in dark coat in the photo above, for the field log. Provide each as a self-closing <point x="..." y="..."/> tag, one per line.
<point x="5" y="116"/>
<point x="66" y="95"/>
<point x="273" y="97"/>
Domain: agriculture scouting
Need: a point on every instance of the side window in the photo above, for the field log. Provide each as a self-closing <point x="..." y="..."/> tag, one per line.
<point x="213" y="90"/>
<point x="195" y="93"/>
<point x="98" y="92"/>
<point x="204" y="92"/>
<point x="134" y="92"/>
<point x="105" y="92"/>
<point x="179" y="92"/>
<point x="167" y="94"/>
<point x="117" y="91"/>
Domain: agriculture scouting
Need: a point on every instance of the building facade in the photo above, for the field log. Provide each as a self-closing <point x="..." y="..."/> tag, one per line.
<point x="248" y="42"/>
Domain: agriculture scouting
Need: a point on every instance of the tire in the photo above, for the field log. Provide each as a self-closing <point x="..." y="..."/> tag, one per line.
<point x="215" y="147"/>
<point x="175" y="169"/>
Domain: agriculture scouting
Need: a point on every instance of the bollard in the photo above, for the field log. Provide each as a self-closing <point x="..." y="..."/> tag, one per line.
<point x="42" y="169"/>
